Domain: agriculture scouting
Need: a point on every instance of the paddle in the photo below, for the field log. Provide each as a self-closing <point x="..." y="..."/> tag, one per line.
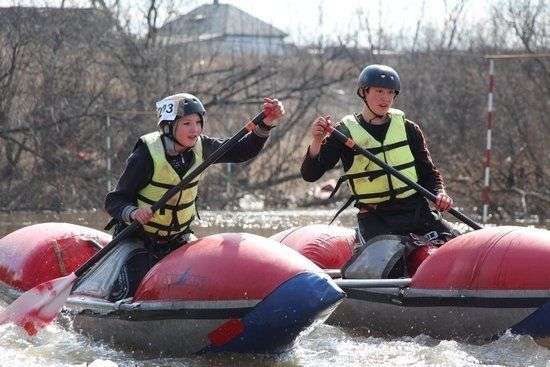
<point x="348" y="142"/>
<point x="37" y="307"/>
<point x="372" y="283"/>
<point x="362" y="289"/>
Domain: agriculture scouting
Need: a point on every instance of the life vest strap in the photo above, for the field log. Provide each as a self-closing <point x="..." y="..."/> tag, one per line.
<point x="167" y="206"/>
<point x="356" y="198"/>
<point x="342" y="208"/>
<point x="168" y="186"/>
<point x="393" y="193"/>
<point x="337" y="187"/>
<point x="371" y="175"/>
<point x="175" y="228"/>
<point x="384" y="148"/>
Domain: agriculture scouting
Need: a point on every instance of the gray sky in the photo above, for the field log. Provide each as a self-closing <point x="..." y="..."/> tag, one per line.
<point x="312" y="19"/>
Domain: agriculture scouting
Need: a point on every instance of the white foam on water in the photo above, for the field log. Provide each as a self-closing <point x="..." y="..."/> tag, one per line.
<point x="326" y="346"/>
<point x="54" y="346"/>
<point x="330" y="346"/>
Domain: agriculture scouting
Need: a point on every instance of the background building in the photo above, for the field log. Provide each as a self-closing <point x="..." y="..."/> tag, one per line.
<point x="222" y="28"/>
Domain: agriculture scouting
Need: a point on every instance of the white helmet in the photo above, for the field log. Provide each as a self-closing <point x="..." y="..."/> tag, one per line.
<point x="172" y="107"/>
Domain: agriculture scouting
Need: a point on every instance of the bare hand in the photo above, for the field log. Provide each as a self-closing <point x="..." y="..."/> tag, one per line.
<point x="319" y="133"/>
<point x="319" y="128"/>
<point x="142" y="215"/>
<point x="273" y="110"/>
<point x="443" y="202"/>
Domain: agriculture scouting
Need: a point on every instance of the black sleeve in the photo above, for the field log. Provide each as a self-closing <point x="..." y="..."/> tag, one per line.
<point x="246" y="148"/>
<point x="136" y="175"/>
<point x="428" y="175"/>
<point x="313" y="168"/>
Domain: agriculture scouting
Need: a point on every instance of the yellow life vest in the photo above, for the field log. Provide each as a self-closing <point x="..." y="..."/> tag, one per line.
<point x="180" y="210"/>
<point x="369" y="183"/>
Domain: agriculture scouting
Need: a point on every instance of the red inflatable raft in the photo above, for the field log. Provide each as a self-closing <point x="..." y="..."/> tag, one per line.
<point x="225" y="292"/>
<point x="474" y="287"/>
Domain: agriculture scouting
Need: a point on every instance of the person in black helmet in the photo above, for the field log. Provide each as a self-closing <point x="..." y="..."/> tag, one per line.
<point x="159" y="160"/>
<point x="386" y="204"/>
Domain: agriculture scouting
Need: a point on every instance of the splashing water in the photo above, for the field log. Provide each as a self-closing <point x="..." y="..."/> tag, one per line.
<point x="326" y="346"/>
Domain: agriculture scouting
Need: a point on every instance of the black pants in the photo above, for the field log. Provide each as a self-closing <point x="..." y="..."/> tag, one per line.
<point x="137" y="266"/>
<point x="131" y="274"/>
<point x="412" y="215"/>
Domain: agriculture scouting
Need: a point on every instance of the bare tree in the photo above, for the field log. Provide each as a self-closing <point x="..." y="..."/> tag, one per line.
<point x="58" y="85"/>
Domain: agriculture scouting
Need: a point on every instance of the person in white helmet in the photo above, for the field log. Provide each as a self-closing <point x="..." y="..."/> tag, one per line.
<point x="386" y="204"/>
<point x="159" y="161"/>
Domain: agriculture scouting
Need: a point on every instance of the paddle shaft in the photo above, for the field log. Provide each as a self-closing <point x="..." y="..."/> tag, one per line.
<point x="348" y="142"/>
<point x="373" y="283"/>
<point x="126" y="232"/>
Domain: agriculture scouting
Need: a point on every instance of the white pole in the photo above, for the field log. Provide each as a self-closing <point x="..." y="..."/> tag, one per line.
<point x="108" y="151"/>
<point x="490" y="110"/>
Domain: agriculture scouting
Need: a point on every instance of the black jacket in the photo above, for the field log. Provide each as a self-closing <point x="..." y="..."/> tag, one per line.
<point x="139" y="169"/>
<point x="332" y="151"/>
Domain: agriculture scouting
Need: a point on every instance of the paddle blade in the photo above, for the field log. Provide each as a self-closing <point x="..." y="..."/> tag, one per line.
<point x="37" y="307"/>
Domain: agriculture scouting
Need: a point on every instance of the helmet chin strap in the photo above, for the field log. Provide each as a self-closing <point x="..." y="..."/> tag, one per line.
<point x="170" y="141"/>
<point x="362" y="96"/>
<point x="169" y="145"/>
<point x="370" y="109"/>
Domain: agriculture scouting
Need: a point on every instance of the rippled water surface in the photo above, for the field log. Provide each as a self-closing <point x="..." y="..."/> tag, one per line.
<point x="325" y="346"/>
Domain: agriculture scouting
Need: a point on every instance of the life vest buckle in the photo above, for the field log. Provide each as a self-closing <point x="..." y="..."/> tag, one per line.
<point x="431" y="236"/>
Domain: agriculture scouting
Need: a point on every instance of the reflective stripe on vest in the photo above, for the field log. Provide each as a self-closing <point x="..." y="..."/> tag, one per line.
<point x="369" y="183"/>
<point x="164" y="223"/>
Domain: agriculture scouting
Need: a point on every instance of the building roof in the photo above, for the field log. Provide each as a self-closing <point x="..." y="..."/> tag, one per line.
<point x="216" y="20"/>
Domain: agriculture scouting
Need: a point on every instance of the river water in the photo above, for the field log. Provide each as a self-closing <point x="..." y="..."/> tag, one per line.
<point x="325" y="346"/>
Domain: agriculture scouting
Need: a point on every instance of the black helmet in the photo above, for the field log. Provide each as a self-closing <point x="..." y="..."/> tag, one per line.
<point x="173" y="107"/>
<point x="379" y="76"/>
